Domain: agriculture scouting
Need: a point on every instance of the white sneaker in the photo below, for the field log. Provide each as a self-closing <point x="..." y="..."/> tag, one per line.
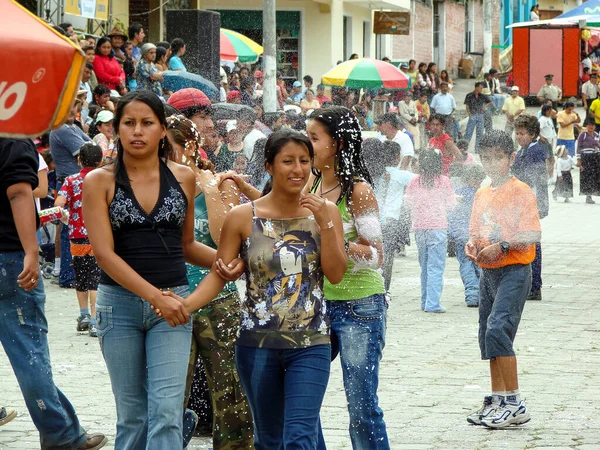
<point x="488" y="408"/>
<point x="507" y="414"/>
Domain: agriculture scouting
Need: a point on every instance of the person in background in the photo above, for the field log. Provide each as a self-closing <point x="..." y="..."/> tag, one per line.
<point x="106" y="136"/>
<point x="443" y="142"/>
<point x="477" y="105"/>
<point x="458" y="226"/>
<point x="390" y="128"/>
<point x="246" y="91"/>
<point x="444" y="77"/>
<point x="178" y="49"/>
<point x="444" y="104"/>
<point x="503" y="229"/>
<point x="130" y="66"/>
<point x="308" y="83"/>
<point x="309" y="101"/>
<point x="513" y="107"/>
<point x="296" y="95"/>
<point x="567" y="120"/>
<point x="430" y="197"/>
<point x="23" y="324"/>
<point x="407" y="109"/>
<point x="534" y="13"/>
<point x="136" y="36"/>
<point x="234" y="97"/>
<point x="107" y="68"/>
<point x="589" y="92"/>
<point x="412" y="72"/>
<point x="549" y="91"/>
<point x="496" y="92"/>
<point x="167" y="46"/>
<point x="353" y="56"/>
<point x="148" y="76"/>
<point x="87" y="272"/>
<point x="234" y="145"/>
<point x="531" y="167"/>
<point x="101" y="100"/>
<point x="117" y="41"/>
<point x="588" y="160"/>
<point x="424" y="113"/>
<point x="161" y="59"/>
<point x="321" y="97"/>
<point x="564" y="179"/>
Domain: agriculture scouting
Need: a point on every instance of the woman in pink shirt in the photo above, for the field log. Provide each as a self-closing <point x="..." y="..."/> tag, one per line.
<point x="430" y="196"/>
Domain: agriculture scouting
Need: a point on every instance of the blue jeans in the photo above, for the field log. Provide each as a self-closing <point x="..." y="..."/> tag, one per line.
<point x="432" y="246"/>
<point x="498" y="101"/>
<point x="67" y="272"/>
<point x="358" y="334"/>
<point x="147" y="362"/>
<point x="476" y="121"/>
<point x="536" y="268"/>
<point x="24" y="336"/>
<point x="285" y="390"/>
<point x="469" y="273"/>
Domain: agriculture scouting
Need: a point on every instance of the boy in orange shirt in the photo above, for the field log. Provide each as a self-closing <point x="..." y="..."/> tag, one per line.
<point x="504" y="228"/>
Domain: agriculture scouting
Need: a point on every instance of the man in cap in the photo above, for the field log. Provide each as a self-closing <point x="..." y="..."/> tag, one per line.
<point x="443" y="103"/>
<point x="589" y="92"/>
<point x="196" y="106"/>
<point x="550" y="91"/>
<point x="390" y="128"/>
<point x="513" y="107"/>
<point x="296" y="95"/>
<point x="117" y="40"/>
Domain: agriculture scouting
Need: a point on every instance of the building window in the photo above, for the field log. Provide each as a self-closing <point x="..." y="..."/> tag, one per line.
<point x="366" y="38"/>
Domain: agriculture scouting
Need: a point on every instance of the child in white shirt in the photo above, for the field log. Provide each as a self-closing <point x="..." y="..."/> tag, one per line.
<point x="564" y="180"/>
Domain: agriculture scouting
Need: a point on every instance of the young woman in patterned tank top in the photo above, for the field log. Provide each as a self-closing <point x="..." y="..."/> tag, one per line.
<point x="142" y="234"/>
<point x="289" y="241"/>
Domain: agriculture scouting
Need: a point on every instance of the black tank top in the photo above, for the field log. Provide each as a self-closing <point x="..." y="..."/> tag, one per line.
<point x="150" y="243"/>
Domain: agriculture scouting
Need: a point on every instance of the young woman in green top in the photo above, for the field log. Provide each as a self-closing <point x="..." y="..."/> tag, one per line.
<point x="356" y="306"/>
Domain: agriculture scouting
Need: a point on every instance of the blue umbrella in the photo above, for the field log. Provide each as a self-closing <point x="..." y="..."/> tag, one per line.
<point x="589" y="11"/>
<point x="175" y="80"/>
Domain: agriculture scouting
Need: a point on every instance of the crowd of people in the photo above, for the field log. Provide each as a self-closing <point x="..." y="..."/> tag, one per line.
<point x="164" y="208"/>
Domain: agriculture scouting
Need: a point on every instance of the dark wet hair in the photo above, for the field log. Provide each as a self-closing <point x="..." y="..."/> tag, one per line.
<point x="65" y="25"/>
<point x="473" y="173"/>
<point x="569" y="105"/>
<point x="545" y="109"/>
<point x="176" y="45"/>
<point x="430" y="167"/>
<point x="500" y="139"/>
<point x="391" y="153"/>
<point x="134" y="29"/>
<point x="279" y="139"/>
<point x="160" y="52"/>
<point x="87" y="47"/>
<point x="440" y="118"/>
<point x="372" y="148"/>
<point x="164" y="44"/>
<point x="462" y="144"/>
<point x="478" y="83"/>
<point x="429" y="66"/>
<point x="422" y="65"/>
<point x="89" y="65"/>
<point x="100" y="90"/>
<point x="530" y="123"/>
<point x="90" y="155"/>
<point x="103" y="40"/>
<point x="156" y="105"/>
<point x="343" y="127"/>
<point x="308" y="78"/>
<point x="589" y="121"/>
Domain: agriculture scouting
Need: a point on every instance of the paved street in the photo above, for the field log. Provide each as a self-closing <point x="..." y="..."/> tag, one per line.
<point x="431" y="374"/>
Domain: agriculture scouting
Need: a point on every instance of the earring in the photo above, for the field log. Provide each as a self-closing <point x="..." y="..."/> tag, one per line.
<point x="161" y="146"/>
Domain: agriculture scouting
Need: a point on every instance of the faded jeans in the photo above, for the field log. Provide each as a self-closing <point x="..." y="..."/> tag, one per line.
<point x="24" y="336"/>
<point x="476" y="121"/>
<point x="147" y="361"/>
<point x="358" y="335"/>
<point x="469" y="273"/>
<point x="432" y="246"/>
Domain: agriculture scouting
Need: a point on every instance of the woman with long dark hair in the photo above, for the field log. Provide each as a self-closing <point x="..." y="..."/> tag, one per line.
<point x="356" y="306"/>
<point x="142" y="234"/>
<point x="289" y="241"/>
<point x="178" y="49"/>
<point x="107" y="68"/>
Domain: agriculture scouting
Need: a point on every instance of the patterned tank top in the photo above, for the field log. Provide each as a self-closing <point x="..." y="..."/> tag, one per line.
<point x="284" y="306"/>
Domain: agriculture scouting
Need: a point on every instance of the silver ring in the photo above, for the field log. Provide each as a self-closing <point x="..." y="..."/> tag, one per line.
<point x="33" y="280"/>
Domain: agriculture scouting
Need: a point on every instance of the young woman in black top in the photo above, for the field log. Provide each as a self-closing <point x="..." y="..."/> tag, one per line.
<point x="140" y="223"/>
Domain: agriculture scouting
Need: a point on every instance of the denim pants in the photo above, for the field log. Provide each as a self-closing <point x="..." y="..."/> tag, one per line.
<point x="536" y="269"/>
<point x="475" y="122"/>
<point x="432" y="246"/>
<point x="469" y="273"/>
<point x="285" y="390"/>
<point x="147" y="362"/>
<point x="67" y="272"/>
<point x="358" y="335"/>
<point x="24" y="336"/>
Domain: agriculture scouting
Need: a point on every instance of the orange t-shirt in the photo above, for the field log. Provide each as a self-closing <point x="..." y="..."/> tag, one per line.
<point x="499" y="214"/>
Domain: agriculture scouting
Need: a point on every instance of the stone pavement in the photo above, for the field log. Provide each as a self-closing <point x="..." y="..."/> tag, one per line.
<point x="431" y="374"/>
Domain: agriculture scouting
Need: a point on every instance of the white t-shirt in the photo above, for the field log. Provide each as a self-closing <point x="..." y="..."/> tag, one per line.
<point x="547" y="129"/>
<point x="406" y="145"/>
<point x="41" y="166"/>
<point x="249" y="142"/>
<point x="533" y="16"/>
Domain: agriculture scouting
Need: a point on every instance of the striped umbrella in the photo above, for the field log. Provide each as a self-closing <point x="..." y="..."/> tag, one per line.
<point x="238" y="48"/>
<point x="366" y="73"/>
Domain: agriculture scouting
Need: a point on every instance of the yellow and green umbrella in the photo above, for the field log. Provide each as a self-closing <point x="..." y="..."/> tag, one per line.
<point x="366" y="73"/>
<point x="238" y="48"/>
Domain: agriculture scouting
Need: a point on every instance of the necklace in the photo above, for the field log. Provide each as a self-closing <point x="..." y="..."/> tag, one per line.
<point x="321" y="194"/>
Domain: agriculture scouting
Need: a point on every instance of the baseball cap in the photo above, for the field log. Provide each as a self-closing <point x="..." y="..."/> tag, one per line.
<point x="258" y="74"/>
<point x="514" y="88"/>
<point x="187" y="97"/>
<point x="233" y="94"/>
<point x="594" y="74"/>
<point x="390" y="118"/>
<point x="104" y="116"/>
<point x="549" y="76"/>
<point x="297" y="84"/>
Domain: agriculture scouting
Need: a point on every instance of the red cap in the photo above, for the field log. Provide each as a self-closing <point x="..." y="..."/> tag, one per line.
<point x="187" y="97"/>
<point x="258" y="74"/>
<point x="233" y="94"/>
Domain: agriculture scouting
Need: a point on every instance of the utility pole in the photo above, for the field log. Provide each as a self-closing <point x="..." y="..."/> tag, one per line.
<point x="269" y="55"/>
<point x="488" y="6"/>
